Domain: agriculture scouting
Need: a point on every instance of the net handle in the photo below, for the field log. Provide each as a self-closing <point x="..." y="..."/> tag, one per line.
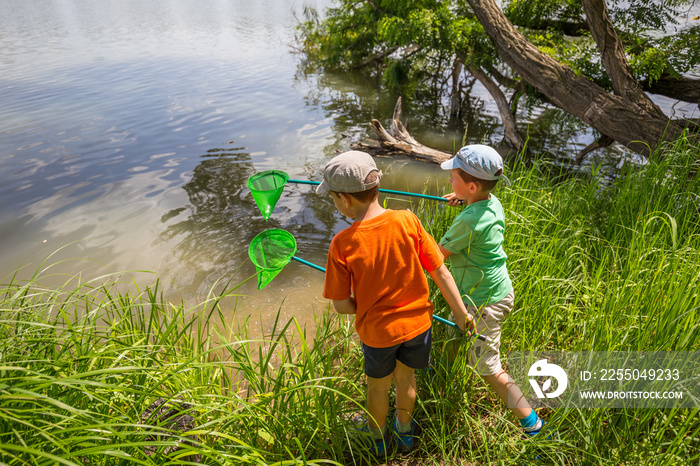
<point x="317" y="267"/>
<point x="436" y="317"/>
<point x="381" y="190"/>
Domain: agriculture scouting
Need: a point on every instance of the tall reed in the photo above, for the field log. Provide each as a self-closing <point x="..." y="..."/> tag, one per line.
<point x="81" y="364"/>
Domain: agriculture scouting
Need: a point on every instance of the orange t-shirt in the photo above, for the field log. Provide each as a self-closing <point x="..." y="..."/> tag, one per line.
<point x="382" y="261"/>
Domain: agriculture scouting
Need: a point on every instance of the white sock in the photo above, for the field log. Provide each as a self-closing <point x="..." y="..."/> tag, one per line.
<point x="534" y="428"/>
<point x="377" y="432"/>
<point x="403" y="427"/>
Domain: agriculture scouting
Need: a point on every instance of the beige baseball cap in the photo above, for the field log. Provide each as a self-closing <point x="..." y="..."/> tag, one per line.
<point x="346" y="173"/>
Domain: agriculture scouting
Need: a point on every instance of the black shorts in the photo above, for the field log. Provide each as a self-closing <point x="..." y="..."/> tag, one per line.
<point x="414" y="353"/>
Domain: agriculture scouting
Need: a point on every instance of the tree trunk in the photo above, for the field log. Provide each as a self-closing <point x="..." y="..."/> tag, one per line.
<point x="456" y="100"/>
<point x="614" y="59"/>
<point x="686" y="89"/>
<point x="512" y="134"/>
<point x="639" y="128"/>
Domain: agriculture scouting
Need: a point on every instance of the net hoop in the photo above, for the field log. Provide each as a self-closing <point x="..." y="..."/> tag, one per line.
<point x="270" y="251"/>
<point x="266" y="188"/>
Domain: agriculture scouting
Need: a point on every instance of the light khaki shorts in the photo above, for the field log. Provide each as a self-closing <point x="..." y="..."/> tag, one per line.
<point x="486" y="357"/>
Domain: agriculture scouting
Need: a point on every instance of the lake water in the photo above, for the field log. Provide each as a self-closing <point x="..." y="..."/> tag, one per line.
<point x="128" y="130"/>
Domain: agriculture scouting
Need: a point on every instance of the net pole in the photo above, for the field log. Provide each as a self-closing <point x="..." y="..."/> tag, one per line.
<point x="381" y="190"/>
<point x="317" y="267"/>
<point x="303" y="182"/>
<point x="404" y="193"/>
<point x="445" y="321"/>
<point x="436" y="317"/>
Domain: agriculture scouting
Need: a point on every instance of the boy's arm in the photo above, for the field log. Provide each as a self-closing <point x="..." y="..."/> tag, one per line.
<point x="345" y="306"/>
<point x="445" y="252"/>
<point x="444" y="280"/>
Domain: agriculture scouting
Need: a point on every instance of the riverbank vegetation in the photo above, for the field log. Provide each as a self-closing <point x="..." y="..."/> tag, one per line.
<point x="597" y="265"/>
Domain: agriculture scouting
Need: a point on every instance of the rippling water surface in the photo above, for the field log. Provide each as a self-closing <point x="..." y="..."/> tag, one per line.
<point x="128" y="130"/>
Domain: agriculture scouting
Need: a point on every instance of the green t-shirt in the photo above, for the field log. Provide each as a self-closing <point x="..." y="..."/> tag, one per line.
<point x="478" y="261"/>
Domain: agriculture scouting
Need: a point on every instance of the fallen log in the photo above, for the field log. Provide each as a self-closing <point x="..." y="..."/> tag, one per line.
<point x="398" y="141"/>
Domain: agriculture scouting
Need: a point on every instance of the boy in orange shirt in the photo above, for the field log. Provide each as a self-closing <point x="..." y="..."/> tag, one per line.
<point x="375" y="271"/>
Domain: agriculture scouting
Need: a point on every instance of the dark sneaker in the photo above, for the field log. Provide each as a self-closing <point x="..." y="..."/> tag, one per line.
<point x="376" y="446"/>
<point x="534" y="430"/>
<point x="405" y="439"/>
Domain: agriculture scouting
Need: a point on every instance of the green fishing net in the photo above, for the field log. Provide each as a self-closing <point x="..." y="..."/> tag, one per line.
<point x="266" y="188"/>
<point x="270" y="251"/>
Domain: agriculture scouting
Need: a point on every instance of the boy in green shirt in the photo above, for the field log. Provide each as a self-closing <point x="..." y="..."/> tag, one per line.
<point x="474" y="246"/>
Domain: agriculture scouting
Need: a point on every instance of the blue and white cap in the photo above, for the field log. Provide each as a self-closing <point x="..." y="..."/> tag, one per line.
<point x="480" y="161"/>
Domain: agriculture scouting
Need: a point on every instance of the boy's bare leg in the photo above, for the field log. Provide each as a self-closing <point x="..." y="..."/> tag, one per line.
<point x="405" y="380"/>
<point x="508" y="391"/>
<point x="378" y="400"/>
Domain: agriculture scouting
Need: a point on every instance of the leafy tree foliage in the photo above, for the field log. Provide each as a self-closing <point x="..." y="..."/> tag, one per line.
<point x="441" y="44"/>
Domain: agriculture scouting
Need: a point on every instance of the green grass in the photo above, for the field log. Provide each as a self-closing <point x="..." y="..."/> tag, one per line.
<point x="596" y="266"/>
<point x="80" y="365"/>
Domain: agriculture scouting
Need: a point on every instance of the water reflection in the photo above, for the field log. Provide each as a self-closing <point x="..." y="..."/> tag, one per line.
<point x="354" y="99"/>
<point x="114" y="125"/>
<point x="553" y="135"/>
<point x="207" y="230"/>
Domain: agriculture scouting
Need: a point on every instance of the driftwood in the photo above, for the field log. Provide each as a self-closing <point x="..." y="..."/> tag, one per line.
<point x="398" y="141"/>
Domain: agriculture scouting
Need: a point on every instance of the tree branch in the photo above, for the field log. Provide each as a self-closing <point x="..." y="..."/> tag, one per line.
<point x="683" y="88"/>
<point x="512" y="134"/>
<point x="568" y="28"/>
<point x="638" y="128"/>
<point x="603" y="141"/>
<point x="377" y="58"/>
<point x="613" y="56"/>
<point x="372" y="4"/>
<point x="503" y="80"/>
